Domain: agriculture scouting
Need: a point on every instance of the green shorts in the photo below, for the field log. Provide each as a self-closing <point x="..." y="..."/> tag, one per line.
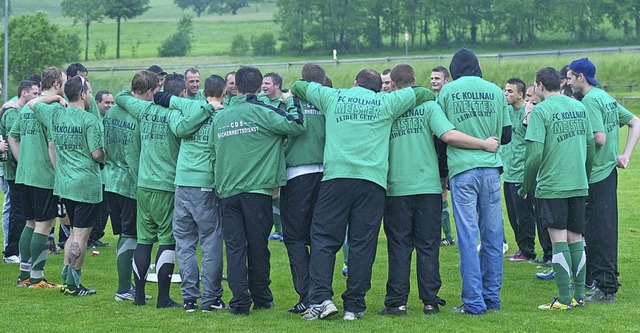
<point x="155" y="214"/>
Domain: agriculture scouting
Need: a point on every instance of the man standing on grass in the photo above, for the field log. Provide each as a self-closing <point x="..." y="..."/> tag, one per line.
<point x="520" y="211"/>
<point x="160" y="130"/>
<point x="30" y="145"/>
<point x="413" y="202"/>
<point x="560" y="153"/>
<point x="232" y="89"/>
<point x="601" y="233"/>
<point x="78" y="139"/>
<point x="352" y="193"/>
<point x="478" y="108"/>
<point x="192" y="77"/>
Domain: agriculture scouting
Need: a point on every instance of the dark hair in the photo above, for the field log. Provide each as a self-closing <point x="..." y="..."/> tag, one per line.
<point x="101" y="93"/>
<point x="521" y="87"/>
<point x="76" y="68"/>
<point x="549" y="77"/>
<point x="312" y="73"/>
<point x="174" y="84"/>
<point x="25" y="85"/>
<point x="369" y="79"/>
<point x="144" y="81"/>
<point x="276" y="79"/>
<point x="403" y="75"/>
<point x="191" y="70"/>
<point x="248" y="80"/>
<point x="74" y="87"/>
<point x="442" y="70"/>
<point x="50" y="76"/>
<point x="328" y="82"/>
<point x="386" y="72"/>
<point x="214" y="86"/>
<point x="232" y="72"/>
<point x="34" y="78"/>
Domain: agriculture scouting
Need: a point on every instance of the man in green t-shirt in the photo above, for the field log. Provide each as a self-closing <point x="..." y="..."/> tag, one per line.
<point x="27" y="90"/>
<point x="78" y="139"/>
<point x="352" y="193"/>
<point x="601" y="232"/>
<point x="478" y="108"/>
<point x="520" y="211"/>
<point x="413" y="202"/>
<point x="232" y="89"/>
<point x="32" y="147"/>
<point x="192" y="78"/>
<point x="560" y="153"/>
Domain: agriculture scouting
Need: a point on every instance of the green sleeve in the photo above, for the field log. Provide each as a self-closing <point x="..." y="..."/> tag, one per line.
<point x="15" y="129"/>
<point x="290" y="123"/>
<point x="423" y="95"/>
<point x="95" y="135"/>
<point x="185" y="105"/>
<point x="299" y="89"/>
<point x="624" y="115"/>
<point x="531" y="166"/>
<point x="184" y="125"/>
<point x="44" y="113"/>
<point x="591" y="153"/>
<point x="131" y="104"/>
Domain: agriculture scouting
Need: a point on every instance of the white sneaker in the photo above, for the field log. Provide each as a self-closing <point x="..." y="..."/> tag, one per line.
<point x="321" y="311"/>
<point x="11" y="260"/>
<point x="348" y="315"/>
<point x="505" y="248"/>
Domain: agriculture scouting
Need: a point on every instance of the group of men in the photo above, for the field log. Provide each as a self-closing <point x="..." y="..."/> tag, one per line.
<point x="185" y="166"/>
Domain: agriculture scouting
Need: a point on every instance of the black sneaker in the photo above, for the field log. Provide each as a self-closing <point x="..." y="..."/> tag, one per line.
<point x="168" y="304"/>
<point x="215" y="306"/>
<point x="431" y="309"/>
<point x="299" y="308"/>
<point x="462" y="309"/>
<point x="190" y="305"/>
<point x="96" y="243"/>
<point x="263" y="306"/>
<point x="394" y="311"/>
<point x="78" y="291"/>
<point x="239" y="311"/>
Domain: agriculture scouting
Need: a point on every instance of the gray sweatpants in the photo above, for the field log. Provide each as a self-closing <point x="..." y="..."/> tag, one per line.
<point x="196" y="217"/>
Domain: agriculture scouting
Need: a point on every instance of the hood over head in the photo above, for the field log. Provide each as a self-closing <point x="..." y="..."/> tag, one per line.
<point x="464" y="63"/>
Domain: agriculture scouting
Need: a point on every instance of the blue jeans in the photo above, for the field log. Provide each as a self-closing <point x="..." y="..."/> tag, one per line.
<point x="477" y="209"/>
<point x="5" y="211"/>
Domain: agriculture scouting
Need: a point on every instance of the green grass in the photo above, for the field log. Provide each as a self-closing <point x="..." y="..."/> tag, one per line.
<point x="46" y="310"/>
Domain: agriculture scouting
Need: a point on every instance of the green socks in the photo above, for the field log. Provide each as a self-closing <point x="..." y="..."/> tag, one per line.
<point x="72" y="279"/>
<point x="445" y="221"/>
<point x="124" y="257"/>
<point x="578" y="268"/>
<point x="25" y="252"/>
<point x="39" y="253"/>
<point x="562" y="268"/>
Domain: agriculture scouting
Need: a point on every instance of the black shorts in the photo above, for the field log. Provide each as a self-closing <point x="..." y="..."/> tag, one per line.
<point x="563" y="214"/>
<point x="123" y="213"/>
<point x="39" y="203"/>
<point x="82" y="214"/>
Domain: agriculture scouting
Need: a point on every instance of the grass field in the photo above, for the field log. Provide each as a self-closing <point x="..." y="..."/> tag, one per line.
<point x="25" y="310"/>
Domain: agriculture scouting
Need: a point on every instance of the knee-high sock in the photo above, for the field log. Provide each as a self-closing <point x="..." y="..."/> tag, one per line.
<point x="124" y="256"/>
<point x="164" y="269"/>
<point x="39" y="253"/>
<point x="578" y="268"/>
<point x="141" y="262"/>
<point x="25" y="252"/>
<point x="562" y="268"/>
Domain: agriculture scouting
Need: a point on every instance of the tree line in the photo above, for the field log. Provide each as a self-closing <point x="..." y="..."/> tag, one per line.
<point x="364" y="24"/>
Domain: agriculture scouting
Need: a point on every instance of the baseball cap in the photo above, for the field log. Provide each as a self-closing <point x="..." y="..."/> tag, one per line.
<point x="585" y="67"/>
<point x="563" y="71"/>
<point x="156" y="69"/>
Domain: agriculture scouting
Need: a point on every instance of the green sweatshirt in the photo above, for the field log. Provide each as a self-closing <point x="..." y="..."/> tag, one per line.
<point x="513" y="153"/>
<point x="8" y="119"/>
<point x="247" y="144"/>
<point x="122" y="152"/>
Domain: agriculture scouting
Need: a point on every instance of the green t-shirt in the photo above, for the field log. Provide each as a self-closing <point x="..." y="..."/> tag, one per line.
<point x="122" y="152"/>
<point x="478" y="108"/>
<point x="247" y="139"/>
<point x="413" y="162"/>
<point x="513" y="153"/>
<point x="76" y="133"/>
<point x="6" y="122"/>
<point x="358" y="125"/>
<point x="199" y="96"/>
<point x="561" y="124"/>
<point x="605" y="115"/>
<point x="160" y="133"/>
<point x="34" y="167"/>
<point x="194" y="167"/>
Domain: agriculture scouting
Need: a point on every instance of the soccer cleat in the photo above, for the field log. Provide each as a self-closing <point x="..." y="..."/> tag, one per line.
<point x="11" y="260"/>
<point x="447" y="241"/>
<point x="393" y="311"/>
<point x="577" y="303"/>
<point x="348" y="315"/>
<point x="518" y="256"/>
<point x="299" y="308"/>
<point x="78" y="291"/>
<point x="321" y="311"/>
<point x="547" y="274"/>
<point x="601" y="297"/>
<point x="190" y="306"/>
<point x="345" y="270"/>
<point x="217" y="305"/>
<point x="431" y="309"/>
<point x="556" y="305"/>
<point x="44" y="284"/>
<point x="22" y="283"/>
<point x="130" y="295"/>
<point x="276" y="236"/>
